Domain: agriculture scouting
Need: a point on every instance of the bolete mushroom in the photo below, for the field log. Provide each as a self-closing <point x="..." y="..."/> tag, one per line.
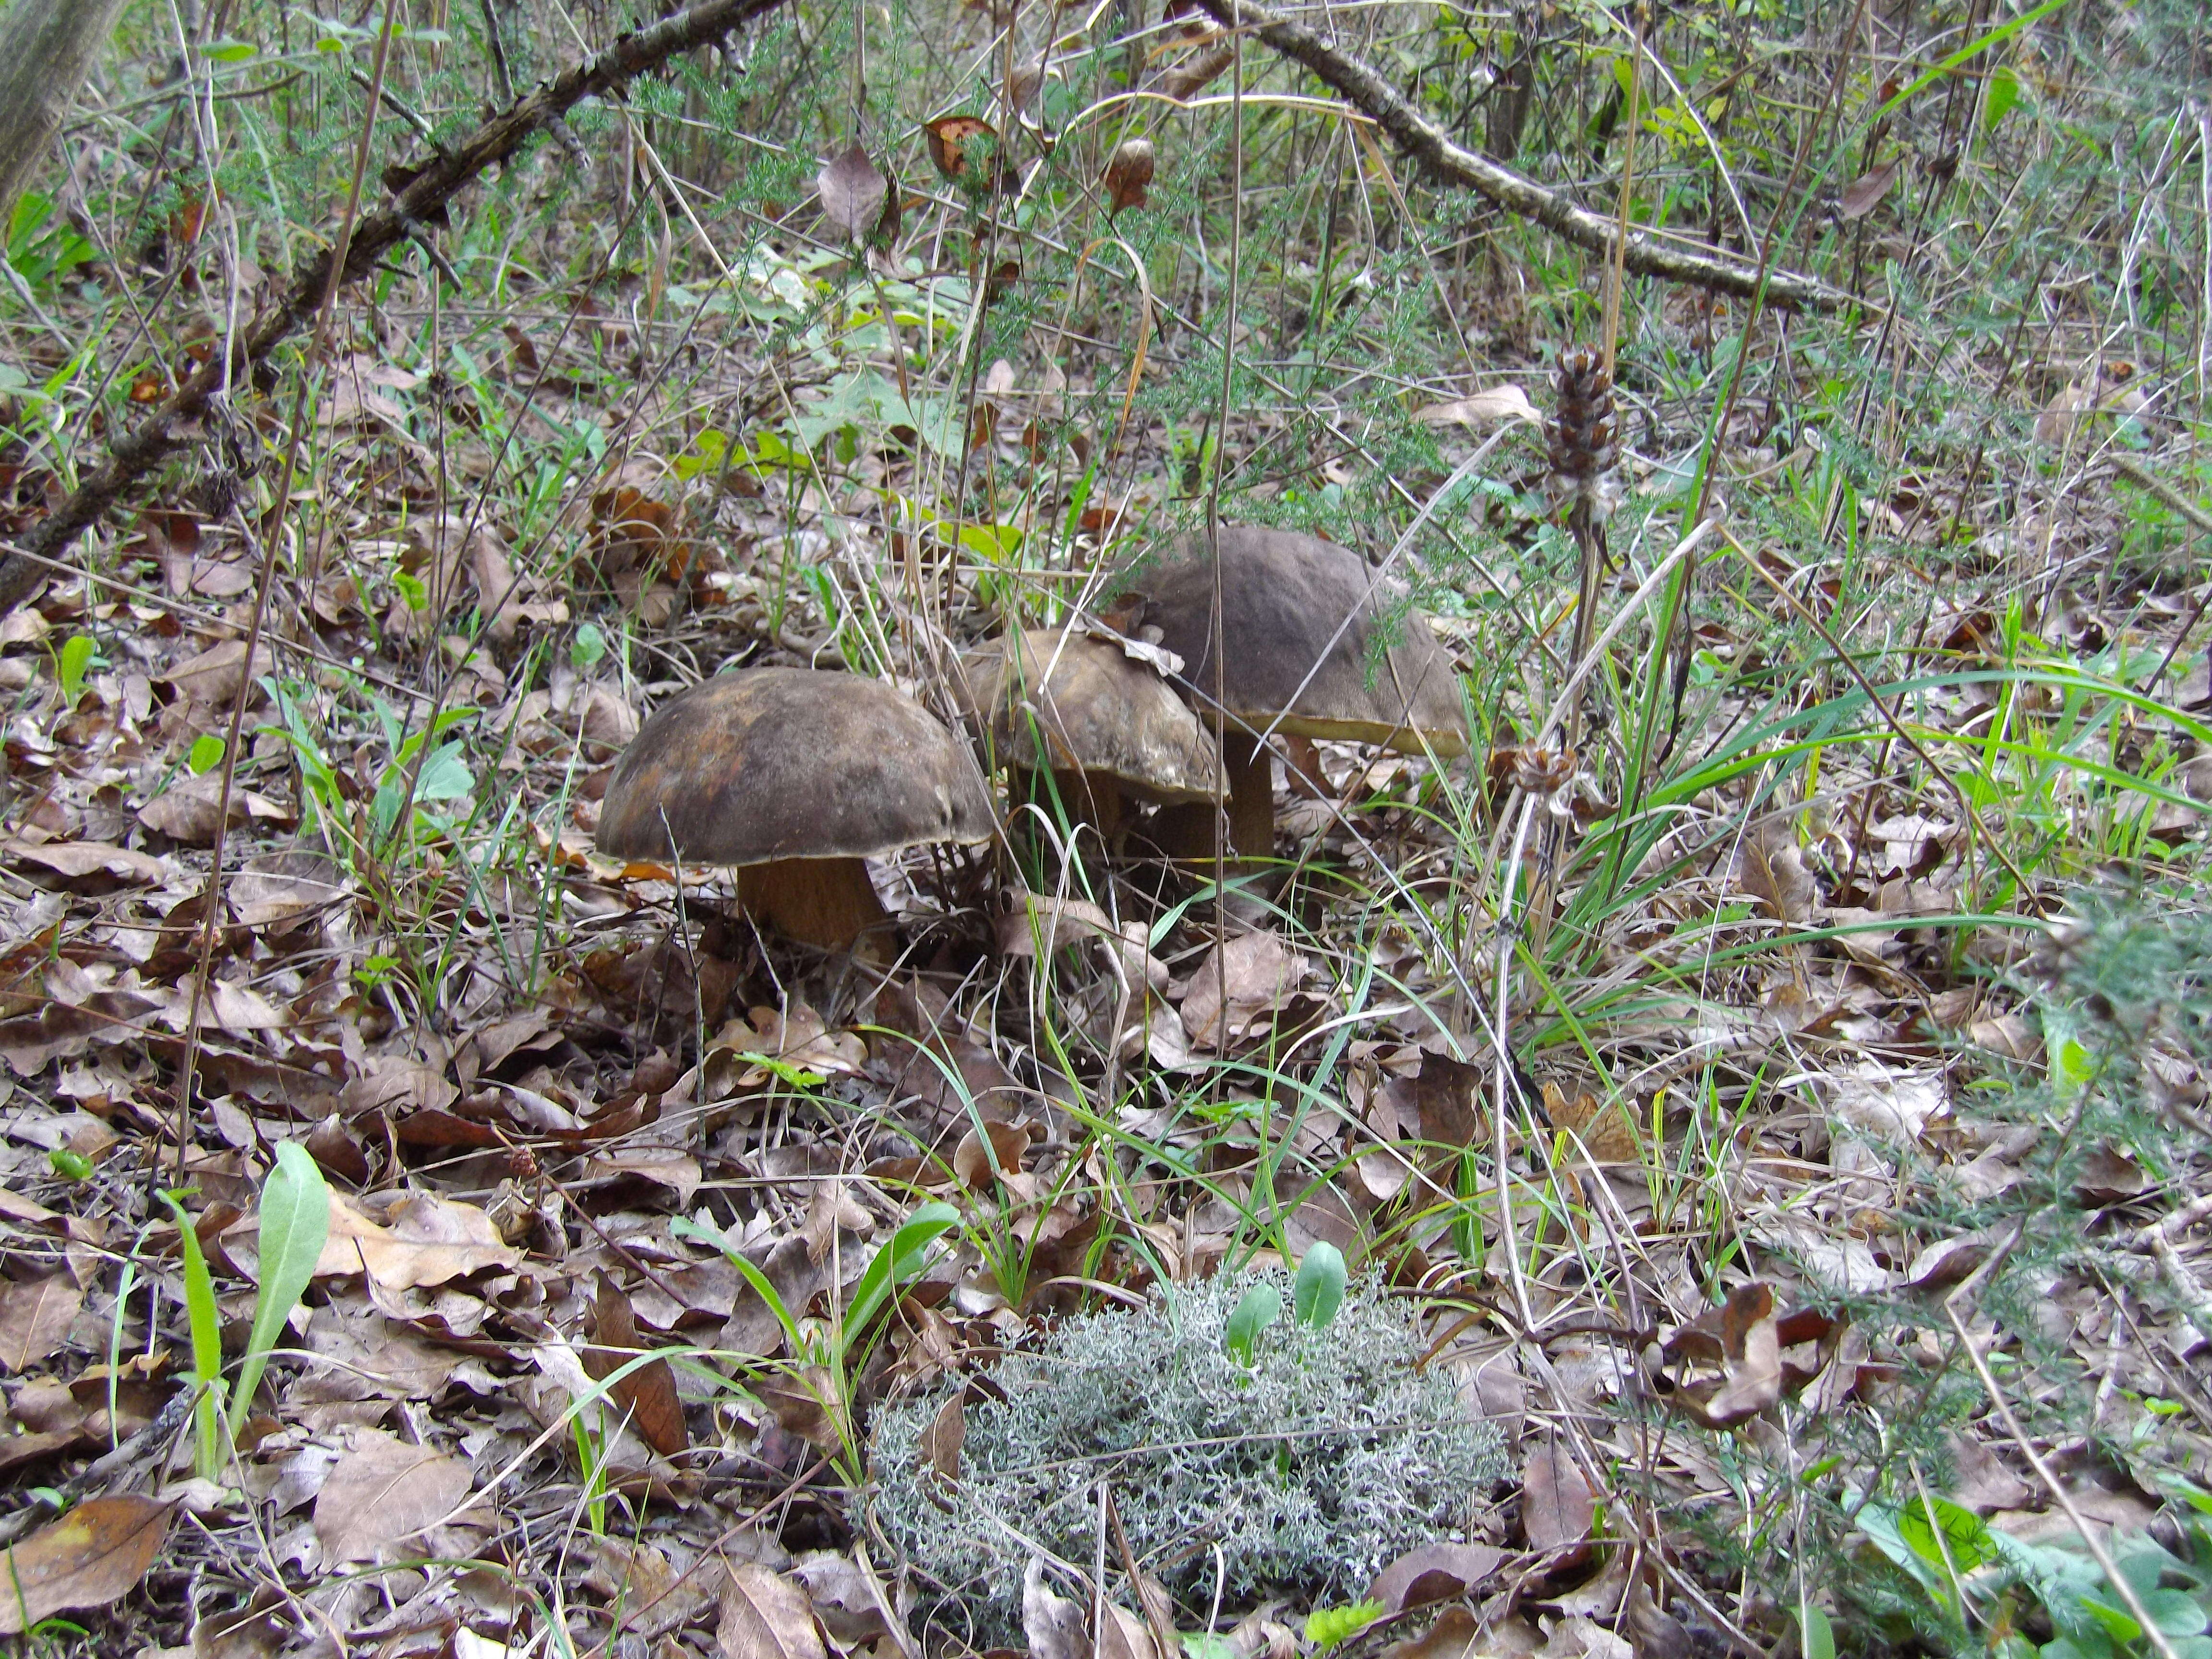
<point x="1291" y="662"/>
<point x="1104" y="725"/>
<point x="795" y="776"/>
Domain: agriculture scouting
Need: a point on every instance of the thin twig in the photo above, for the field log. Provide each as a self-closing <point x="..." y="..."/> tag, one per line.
<point x="1374" y="96"/>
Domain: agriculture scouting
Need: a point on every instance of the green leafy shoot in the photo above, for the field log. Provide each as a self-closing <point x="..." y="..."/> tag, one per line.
<point x="1318" y="1291"/>
<point x="71" y="663"/>
<point x="897" y="1263"/>
<point x="206" y="1345"/>
<point x="1329" y="1627"/>
<point x="295" y="1220"/>
<point x="1259" y="1308"/>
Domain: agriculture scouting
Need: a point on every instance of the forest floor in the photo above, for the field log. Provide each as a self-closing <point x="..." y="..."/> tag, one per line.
<point x="1778" y="1113"/>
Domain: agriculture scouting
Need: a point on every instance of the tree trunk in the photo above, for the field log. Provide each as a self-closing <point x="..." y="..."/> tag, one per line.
<point x="46" y="49"/>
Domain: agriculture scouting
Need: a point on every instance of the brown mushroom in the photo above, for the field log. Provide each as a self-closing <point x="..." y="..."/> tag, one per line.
<point x="795" y="776"/>
<point x="1104" y="725"/>
<point x="1285" y="666"/>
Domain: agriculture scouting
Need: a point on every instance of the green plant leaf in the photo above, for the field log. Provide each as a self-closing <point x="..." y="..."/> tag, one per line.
<point x="1820" y="1636"/>
<point x="587" y="647"/>
<point x="684" y="1227"/>
<point x="2004" y="96"/>
<point x="1965" y="1539"/>
<point x="1966" y="53"/>
<point x="70" y="666"/>
<point x="295" y="1220"/>
<point x="2175" y="1612"/>
<point x="1318" y="1291"/>
<point x="206" y="754"/>
<point x="1326" y="1627"/>
<point x="896" y="1263"/>
<point x="1260" y="1307"/>
<point x="207" y="1344"/>
<point x="69" y="1165"/>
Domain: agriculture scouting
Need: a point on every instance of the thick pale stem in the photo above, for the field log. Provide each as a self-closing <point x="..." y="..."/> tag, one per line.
<point x="1251" y="773"/>
<point x="828" y="903"/>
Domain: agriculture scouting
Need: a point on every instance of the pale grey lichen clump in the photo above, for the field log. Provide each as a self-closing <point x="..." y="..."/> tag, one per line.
<point x="1320" y="1463"/>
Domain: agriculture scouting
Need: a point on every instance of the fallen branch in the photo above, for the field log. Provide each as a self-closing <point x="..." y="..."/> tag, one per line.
<point x="1425" y="142"/>
<point x="420" y="197"/>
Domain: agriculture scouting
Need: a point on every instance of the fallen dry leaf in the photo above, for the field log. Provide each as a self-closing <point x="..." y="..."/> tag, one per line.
<point x="381" y="1494"/>
<point x="766" y="1616"/>
<point x="431" y="1240"/>
<point x="1125" y="1635"/>
<point x="1864" y="193"/>
<point x="1607" y="1131"/>
<point x="1751" y="1358"/>
<point x="93" y="1555"/>
<point x="188" y="811"/>
<point x="79" y="859"/>
<point x="1434" y="1572"/>
<point x="647" y="1394"/>
<point x="1053" y="1624"/>
<point x="1557" y="1505"/>
<point x="941" y="1441"/>
<point x="1485" y="407"/>
<point x="34" y="1317"/>
<point x="214" y="675"/>
<point x="1129" y="175"/>
<point x="654" y="1597"/>
<point x="852" y="193"/>
<point x="1254" y="974"/>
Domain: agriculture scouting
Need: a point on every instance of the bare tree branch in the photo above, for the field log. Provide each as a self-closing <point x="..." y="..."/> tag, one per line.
<point x="421" y="195"/>
<point x="1421" y="138"/>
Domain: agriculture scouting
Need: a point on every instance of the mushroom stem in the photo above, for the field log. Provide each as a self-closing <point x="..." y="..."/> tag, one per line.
<point x="1091" y="798"/>
<point x="825" y="902"/>
<point x="1251" y="772"/>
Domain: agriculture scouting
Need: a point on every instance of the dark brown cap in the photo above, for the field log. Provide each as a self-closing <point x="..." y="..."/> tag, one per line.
<point x="1073" y="703"/>
<point x="1284" y="596"/>
<point x="770" y="764"/>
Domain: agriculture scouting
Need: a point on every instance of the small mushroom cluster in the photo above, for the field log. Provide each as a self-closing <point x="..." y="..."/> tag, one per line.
<point x="797" y="776"/>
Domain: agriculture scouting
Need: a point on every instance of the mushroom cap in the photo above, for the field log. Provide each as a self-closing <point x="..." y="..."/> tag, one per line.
<point x="1073" y="703"/>
<point x="1283" y="595"/>
<point x="772" y="764"/>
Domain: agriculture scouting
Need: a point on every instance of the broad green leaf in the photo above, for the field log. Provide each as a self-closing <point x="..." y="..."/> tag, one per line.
<point x="2004" y="94"/>
<point x="1318" y="1291"/>
<point x="206" y="754"/>
<point x="1820" y="1637"/>
<point x="71" y="665"/>
<point x="2173" y="1611"/>
<point x="587" y="647"/>
<point x="295" y="1220"/>
<point x="1260" y="1307"/>
<point x="897" y="1262"/>
<point x="1965" y="1539"/>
